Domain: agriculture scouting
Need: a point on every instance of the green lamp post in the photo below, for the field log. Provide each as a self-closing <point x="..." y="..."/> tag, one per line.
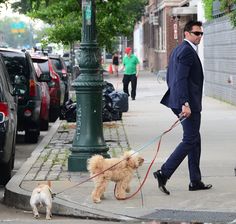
<point x="88" y="139"/>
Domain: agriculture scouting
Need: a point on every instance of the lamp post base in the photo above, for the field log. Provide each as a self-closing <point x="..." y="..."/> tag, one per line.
<point x="77" y="161"/>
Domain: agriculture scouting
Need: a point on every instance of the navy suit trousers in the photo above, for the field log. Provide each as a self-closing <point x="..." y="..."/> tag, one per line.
<point x="190" y="146"/>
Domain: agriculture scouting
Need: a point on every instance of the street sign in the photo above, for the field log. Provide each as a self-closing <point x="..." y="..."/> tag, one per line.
<point x="18" y="27"/>
<point x="175" y="31"/>
<point x="87" y="4"/>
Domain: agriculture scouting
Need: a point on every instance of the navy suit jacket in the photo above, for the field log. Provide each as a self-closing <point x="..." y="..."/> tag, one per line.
<point x="184" y="79"/>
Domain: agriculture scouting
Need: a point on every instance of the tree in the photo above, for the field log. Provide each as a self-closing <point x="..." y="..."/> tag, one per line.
<point x="114" y="18"/>
<point x="3" y="1"/>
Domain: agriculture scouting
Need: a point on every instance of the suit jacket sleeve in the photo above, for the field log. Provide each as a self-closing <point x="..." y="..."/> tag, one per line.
<point x="184" y="62"/>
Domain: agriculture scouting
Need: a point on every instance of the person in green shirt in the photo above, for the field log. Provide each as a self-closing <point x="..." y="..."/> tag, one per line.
<point x="131" y="67"/>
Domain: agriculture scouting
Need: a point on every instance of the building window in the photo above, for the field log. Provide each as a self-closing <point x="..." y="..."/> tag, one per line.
<point x="161" y="32"/>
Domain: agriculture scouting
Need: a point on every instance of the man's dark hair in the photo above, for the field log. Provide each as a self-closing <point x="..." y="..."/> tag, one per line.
<point x="189" y="25"/>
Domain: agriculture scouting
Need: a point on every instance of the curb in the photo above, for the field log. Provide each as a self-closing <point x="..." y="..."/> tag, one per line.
<point x="14" y="195"/>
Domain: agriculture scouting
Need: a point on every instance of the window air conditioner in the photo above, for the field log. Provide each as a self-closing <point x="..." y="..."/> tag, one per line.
<point x="155" y="20"/>
<point x="151" y="15"/>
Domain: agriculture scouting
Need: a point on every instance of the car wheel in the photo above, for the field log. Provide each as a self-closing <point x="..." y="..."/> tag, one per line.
<point x="44" y="124"/>
<point x="31" y="136"/>
<point x="5" y="172"/>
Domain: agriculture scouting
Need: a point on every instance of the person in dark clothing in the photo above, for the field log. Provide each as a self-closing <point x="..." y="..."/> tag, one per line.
<point x="115" y="62"/>
<point x="184" y="98"/>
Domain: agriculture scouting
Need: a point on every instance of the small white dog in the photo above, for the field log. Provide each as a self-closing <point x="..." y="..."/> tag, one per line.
<point x="42" y="196"/>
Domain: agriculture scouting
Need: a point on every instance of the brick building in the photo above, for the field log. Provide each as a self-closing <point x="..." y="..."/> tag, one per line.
<point x="162" y="28"/>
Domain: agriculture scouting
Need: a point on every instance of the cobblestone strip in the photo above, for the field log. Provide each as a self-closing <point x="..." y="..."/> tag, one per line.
<point x="115" y="138"/>
<point x="52" y="162"/>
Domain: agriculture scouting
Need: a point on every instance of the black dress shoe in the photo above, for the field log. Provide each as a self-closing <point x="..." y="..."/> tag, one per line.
<point x="199" y="186"/>
<point x="161" y="181"/>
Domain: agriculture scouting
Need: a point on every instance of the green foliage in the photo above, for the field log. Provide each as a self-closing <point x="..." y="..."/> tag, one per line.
<point x="65" y="22"/>
<point x="114" y="17"/>
<point x="208" y="8"/>
<point x="232" y="16"/>
<point x="225" y="6"/>
<point x="3" y="1"/>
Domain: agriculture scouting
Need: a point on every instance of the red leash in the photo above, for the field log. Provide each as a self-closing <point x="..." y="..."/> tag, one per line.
<point x="91" y="177"/>
<point x="153" y="160"/>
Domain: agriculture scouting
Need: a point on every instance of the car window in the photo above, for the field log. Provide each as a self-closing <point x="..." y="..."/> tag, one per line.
<point x="5" y="80"/>
<point x="3" y="71"/>
<point x="37" y="69"/>
<point x="57" y="64"/>
<point x="43" y="65"/>
<point x="1" y="87"/>
<point x="30" y="66"/>
<point x="15" y="64"/>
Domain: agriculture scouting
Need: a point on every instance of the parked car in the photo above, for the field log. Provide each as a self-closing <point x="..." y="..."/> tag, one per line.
<point x="56" y="85"/>
<point x="45" y="103"/>
<point x="19" y="63"/>
<point x="68" y="65"/>
<point x="8" y="125"/>
<point x="60" y="68"/>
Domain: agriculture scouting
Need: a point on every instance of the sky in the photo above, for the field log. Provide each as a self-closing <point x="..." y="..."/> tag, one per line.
<point x="6" y="11"/>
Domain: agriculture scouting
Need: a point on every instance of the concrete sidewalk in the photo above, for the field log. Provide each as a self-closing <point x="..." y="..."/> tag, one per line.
<point x="145" y="120"/>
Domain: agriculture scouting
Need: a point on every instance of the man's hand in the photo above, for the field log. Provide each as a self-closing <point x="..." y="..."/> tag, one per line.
<point x="186" y="111"/>
<point x="137" y="70"/>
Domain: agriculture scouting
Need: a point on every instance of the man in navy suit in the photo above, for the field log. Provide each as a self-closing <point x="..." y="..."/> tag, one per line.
<point x="184" y="97"/>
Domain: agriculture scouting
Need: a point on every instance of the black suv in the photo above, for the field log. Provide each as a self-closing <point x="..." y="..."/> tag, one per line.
<point x="19" y="64"/>
<point x="8" y="125"/>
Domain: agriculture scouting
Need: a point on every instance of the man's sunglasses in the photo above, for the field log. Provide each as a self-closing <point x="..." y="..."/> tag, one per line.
<point x="197" y="33"/>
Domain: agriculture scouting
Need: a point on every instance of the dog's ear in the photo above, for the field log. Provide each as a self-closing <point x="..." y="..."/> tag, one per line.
<point x="128" y="158"/>
<point x="131" y="162"/>
<point x="140" y="160"/>
<point x="135" y="161"/>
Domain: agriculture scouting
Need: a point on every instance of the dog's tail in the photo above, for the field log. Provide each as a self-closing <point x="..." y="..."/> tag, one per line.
<point x="95" y="164"/>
